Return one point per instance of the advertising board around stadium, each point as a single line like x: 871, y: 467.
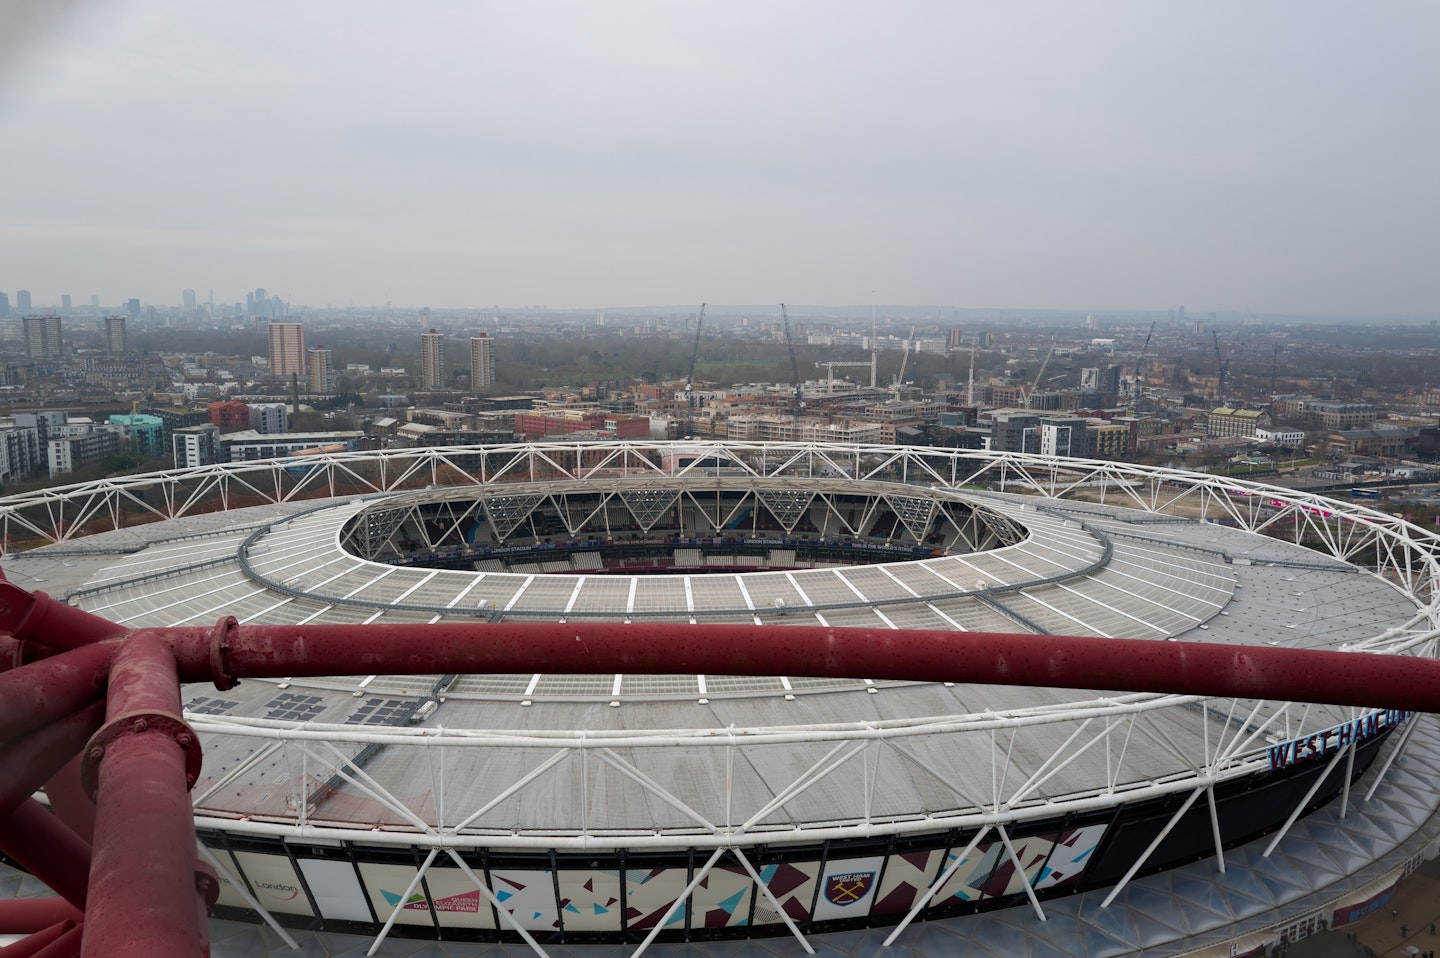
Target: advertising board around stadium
x: 357, y: 887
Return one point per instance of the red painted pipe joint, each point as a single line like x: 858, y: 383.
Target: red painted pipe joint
x: 140, y: 722
x: 219, y: 647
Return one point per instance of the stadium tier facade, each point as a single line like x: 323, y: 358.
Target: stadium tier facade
x: 555, y: 810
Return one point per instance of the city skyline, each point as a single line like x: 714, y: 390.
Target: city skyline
x: 232, y: 310
x: 1038, y: 157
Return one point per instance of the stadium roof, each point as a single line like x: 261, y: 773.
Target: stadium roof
x: 554, y: 761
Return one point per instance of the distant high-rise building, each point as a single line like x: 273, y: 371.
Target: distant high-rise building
x: 4, y: 305
x: 432, y: 360
x: 43, y: 337
x: 482, y: 362
x: 65, y: 305
x: 189, y: 297
x: 1100, y: 380
x: 115, y: 335
x: 287, y: 349
x: 322, y: 373
x: 22, y: 300
x: 132, y: 309
x: 258, y: 304
x: 94, y: 302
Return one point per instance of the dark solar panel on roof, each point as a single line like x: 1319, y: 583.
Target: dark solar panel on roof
x: 202, y: 705
x: 381, y: 712
x: 290, y: 707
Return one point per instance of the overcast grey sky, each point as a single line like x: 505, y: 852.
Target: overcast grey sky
x: 1270, y: 157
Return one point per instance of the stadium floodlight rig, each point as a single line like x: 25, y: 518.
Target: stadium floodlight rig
x: 91, y: 710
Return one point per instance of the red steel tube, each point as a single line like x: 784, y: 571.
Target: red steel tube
x: 25, y: 916
x: 15, y: 653
x: 70, y: 802
x: 144, y: 825
x: 40, y: 942
x: 42, y: 845
x: 37, y: 616
x: 1083, y: 662
x: 1078, y: 662
x: 41, y: 692
x: 10, y: 652
x: 26, y: 763
x: 66, y: 946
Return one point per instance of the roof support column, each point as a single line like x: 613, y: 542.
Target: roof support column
x: 939, y: 883
x: 1215, y: 829
x: 1150, y: 849
x: 1309, y: 794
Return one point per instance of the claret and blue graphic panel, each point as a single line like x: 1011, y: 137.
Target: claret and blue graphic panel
x: 793, y: 885
x: 907, y: 875
x: 970, y: 878
x: 1071, y: 851
x: 529, y: 896
x: 722, y: 899
x: 590, y: 900
x: 649, y: 893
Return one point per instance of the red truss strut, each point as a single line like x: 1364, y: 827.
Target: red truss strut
x: 144, y: 895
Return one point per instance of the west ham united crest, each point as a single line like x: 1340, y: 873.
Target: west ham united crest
x: 848, y: 888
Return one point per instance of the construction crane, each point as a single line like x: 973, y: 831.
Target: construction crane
x: 874, y: 343
x: 1274, y: 369
x: 1043, y: 363
x: 690, y: 378
x: 970, y: 388
x: 904, y: 362
x: 831, y: 365
x: 1140, y: 364
x: 1223, y: 367
x: 797, y: 400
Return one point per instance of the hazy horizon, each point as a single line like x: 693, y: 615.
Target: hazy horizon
x: 1109, y: 157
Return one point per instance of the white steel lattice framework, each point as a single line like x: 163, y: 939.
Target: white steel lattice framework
x: 984, y: 773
